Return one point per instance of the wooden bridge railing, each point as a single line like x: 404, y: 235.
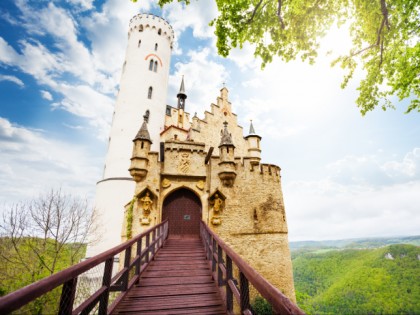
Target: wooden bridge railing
x: 146, y: 245
x: 223, y: 259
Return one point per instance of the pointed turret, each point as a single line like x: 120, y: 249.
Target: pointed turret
x: 141, y: 148
x: 227, y: 163
x: 143, y: 133
x: 251, y: 129
x: 253, y: 141
x: 181, y: 95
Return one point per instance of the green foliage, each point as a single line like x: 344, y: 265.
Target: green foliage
x: 261, y: 306
x: 384, y: 37
x: 359, y: 281
x: 129, y: 229
x: 39, y: 238
x: 14, y: 276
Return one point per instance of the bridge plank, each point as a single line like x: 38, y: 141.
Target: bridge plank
x: 178, y: 281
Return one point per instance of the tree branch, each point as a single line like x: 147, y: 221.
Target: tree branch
x: 384, y: 11
x: 254, y: 12
x: 279, y: 4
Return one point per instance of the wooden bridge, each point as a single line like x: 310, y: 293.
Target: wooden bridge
x: 160, y: 275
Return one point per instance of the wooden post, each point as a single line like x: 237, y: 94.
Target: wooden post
x: 106, y: 281
x: 67, y: 296
x: 229, y: 276
x: 220, y: 281
x: 244, y: 287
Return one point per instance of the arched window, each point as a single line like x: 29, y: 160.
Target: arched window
x: 149, y: 94
x: 141, y: 28
x: 139, y: 43
x: 151, y: 65
x: 155, y: 69
x: 156, y: 46
x: 159, y: 31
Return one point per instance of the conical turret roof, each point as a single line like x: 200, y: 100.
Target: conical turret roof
x: 143, y: 133
x: 251, y: 129
x: 182, y: 89
x: 252, y: 132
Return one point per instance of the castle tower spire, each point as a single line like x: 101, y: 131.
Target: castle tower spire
x: 253, y: 140
x: 227, y: 173
x: 181, y: 95
x: 141, y: 148
x: 251, y: 129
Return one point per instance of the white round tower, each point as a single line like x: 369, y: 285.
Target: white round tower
x: 143, y: 86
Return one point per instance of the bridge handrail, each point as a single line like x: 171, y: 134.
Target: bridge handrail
x: 68, y: 277
x: 215, y: 247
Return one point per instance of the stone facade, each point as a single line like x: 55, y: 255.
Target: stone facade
x: 241, y: 199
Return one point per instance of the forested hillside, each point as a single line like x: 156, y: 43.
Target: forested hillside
x: 32, y: 259
x: 384, y: 280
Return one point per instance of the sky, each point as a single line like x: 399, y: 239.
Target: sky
x: 344, y: 175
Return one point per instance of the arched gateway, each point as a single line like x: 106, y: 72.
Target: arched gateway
x: 183, y: 209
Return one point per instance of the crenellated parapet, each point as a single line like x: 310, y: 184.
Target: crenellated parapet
x: 143, y: 22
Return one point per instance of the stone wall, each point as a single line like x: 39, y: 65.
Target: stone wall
x: 247, y: 212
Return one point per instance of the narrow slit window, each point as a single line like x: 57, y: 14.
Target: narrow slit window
x: 151, y: 65
x: 155, y: 69
x: 139, y: 43
x: 156, y: 47
x: 149, y: 94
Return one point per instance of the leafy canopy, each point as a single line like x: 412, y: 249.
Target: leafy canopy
x: 385, y: 39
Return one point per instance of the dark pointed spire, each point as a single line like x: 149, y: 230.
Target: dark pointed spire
x: 181, y: 95
x: 251, y: 129
x: 226, y: 136
x: 143, y: 133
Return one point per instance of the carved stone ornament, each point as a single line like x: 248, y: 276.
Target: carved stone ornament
x: 166, y: 183
x: 216, y: 220
x: 145, y: 221
x: 147, y: 206
x: 184, y: 163
x: 200, y: 184
x: 217, y: 202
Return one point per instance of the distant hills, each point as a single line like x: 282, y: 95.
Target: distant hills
x: 373, y: 242
x: 358, y: 276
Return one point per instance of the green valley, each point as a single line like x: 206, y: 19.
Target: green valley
x: 361, y: 280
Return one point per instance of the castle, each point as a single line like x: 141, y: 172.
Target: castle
x: 187, y: 169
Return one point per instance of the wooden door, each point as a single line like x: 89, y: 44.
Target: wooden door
x: 183, y: 209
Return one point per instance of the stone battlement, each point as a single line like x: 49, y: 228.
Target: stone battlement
x: 141, y: 22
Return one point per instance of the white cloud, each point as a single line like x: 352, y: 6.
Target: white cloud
x: 357, y: 198
x: 196, y: 16
x: 199, y: 70
x: 328, y: 210
x: 11, y: 78
x: 46, y: 95
x: 82, y: 4
x: 32, y: 163
x: 369, y: 170
x: 7, y: 53
x: 409, y: 168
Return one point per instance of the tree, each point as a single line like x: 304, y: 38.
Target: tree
x: 41, y: 237
x: 385, y: 37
